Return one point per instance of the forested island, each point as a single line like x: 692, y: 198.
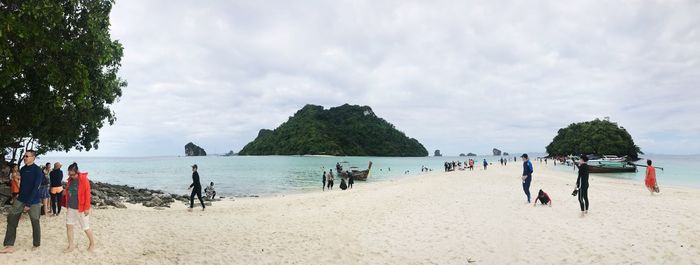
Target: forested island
x: 600, y: 137
x: 347, y: 130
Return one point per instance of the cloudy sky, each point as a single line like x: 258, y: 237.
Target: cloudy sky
x: 459, y: 76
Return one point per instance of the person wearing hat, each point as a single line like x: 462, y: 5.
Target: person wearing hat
x: 196, y: 188
x: 527, y: 176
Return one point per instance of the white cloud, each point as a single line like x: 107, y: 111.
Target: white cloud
x: 459, y: 76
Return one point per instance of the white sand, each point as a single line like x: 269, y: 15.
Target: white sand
x: 437, y: 218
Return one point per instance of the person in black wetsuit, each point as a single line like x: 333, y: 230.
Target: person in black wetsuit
x: 582, y: 185
x: 351, y: 179
x: 196, y: 188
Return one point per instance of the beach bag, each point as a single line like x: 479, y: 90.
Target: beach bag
x: 575, y: 193
x: 656, y: 188
x: 343, y: 186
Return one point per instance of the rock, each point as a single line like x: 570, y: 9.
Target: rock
x: 471, y: 154
x: 194, y: 150
x: 114, y: 201
x: 156, y: 201
x: 506, y: 154
x: 462, y: 154
x: 496, y: 152
x: 437, y: 153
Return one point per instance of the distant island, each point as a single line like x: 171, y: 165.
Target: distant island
x: 194, y: 150
x: 347, y: 130
x: 496, y: 152
x: 437, y: 153
x: 599, y: 137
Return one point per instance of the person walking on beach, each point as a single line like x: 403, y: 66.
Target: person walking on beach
x: 582, y: 185
x: 28, y: 200
x: 486, y: 164
x: 14, y: 183
x: 77, y: 202
x: 44, y: 189
x: 471, y: 164
x: 650, y: 179
x: 527, y: 176
x: 56, y: 190
x: 330, y: 179
x: 324, y: 180
x: 196, y: 189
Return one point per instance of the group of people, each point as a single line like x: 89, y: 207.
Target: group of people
x: 582, y: 182
x: 328, y: 180
x: 32, y: 187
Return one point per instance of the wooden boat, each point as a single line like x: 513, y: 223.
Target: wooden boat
x: 606, y: 166
x: 358, y: 174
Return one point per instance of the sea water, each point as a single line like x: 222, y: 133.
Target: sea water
x: 271, y: 175
x: 678, y: 170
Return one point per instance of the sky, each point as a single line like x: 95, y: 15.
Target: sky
x: 459, y: 76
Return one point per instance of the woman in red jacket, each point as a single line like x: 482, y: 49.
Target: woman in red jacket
x: 77, y: 199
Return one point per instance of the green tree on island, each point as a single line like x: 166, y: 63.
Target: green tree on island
x: 599, y: 137
x: 58, y: 74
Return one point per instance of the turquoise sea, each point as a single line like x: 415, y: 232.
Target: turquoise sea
x: 678, y: 170
x: 270, y: 175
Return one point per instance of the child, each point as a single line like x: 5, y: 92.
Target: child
x: 543, y: 198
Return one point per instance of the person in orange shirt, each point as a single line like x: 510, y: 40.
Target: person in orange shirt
x: 14, y: 183
x: 650, y: 180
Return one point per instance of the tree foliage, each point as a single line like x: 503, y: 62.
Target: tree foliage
x: 345, y: 130
x: 599, y: 137
x: 58, y: 73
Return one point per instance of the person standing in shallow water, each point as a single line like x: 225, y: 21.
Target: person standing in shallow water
x: 351, y: 179
x: 650, y: 179
x: 527, y: 176
x: 324, y: 180
x: 582, y: 185
x: 196, y: 187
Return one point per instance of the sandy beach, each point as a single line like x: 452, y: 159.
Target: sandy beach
x: 462, y: 217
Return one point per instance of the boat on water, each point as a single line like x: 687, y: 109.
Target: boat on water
x: 356, y: 173
x: 611, y: 164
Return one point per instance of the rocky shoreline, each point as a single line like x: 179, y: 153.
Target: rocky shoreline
x: 105, y: 195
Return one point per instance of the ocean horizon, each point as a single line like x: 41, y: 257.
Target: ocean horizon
x: 243, y: 176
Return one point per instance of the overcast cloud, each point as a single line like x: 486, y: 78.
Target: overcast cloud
x: 459, y: 76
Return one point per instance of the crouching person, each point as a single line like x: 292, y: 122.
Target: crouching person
x: 77, y: 199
